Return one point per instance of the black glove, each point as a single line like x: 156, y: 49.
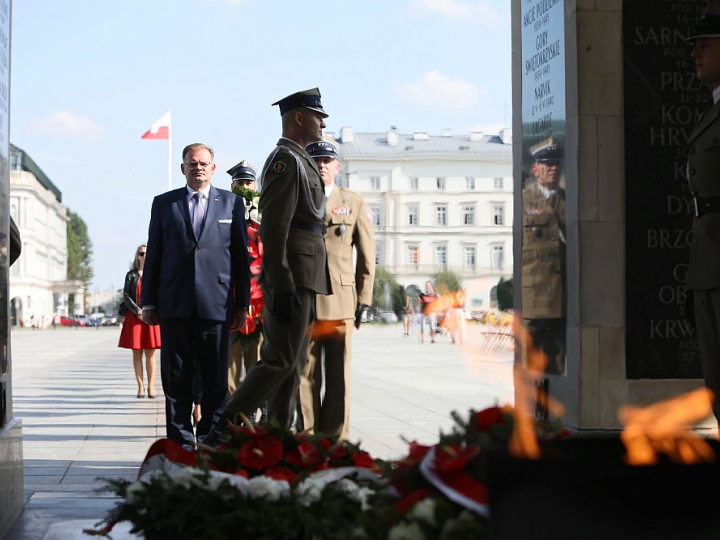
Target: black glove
x: 359, y: 310
x: 283, y: 305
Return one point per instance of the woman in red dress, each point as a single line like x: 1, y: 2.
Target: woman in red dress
x: 135, y: 334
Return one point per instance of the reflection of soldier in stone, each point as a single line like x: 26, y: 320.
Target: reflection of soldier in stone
x: 543, y: 255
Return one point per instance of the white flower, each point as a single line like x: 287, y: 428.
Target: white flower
x: 188, y: 476
x: 253, y: 214
x: 238, y: 482
x: 256, y: 201
x: 264, y: 487
x: 406, y: 531
x: 310, y: 490
x: 133, y: 490
x: 357, y: 493
x: 424, y: 511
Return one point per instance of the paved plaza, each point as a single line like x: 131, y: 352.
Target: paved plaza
x: 75, y: 393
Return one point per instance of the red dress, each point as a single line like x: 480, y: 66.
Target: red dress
x: 136, y: 334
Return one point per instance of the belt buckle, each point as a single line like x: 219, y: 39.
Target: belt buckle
x: 695, y: 204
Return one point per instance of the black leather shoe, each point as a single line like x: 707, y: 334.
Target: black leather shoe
x: 219, y: 423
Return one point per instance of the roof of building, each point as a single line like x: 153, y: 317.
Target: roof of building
x: 21, y: 160
x: 416, y: 145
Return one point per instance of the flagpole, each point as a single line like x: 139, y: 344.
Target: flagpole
x: 170, y: 149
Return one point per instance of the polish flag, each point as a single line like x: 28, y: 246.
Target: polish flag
x: 160, y: 129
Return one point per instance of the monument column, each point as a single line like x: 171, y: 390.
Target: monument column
x: 11, y: 465
x: 629, y: 100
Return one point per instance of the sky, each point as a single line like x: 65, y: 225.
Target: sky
x: 89, y: 77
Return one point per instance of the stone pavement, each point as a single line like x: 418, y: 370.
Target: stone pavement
x: 75, y: 392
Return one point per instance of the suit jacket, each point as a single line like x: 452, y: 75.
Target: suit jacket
x: 293, y: 257
x: 543, y: 255
x: 351, y: 284
x: 183, y: 273
x: 704, y: 175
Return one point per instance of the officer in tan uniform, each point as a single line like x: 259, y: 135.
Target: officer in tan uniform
x: 349, y: 227
x: 704, y: 180
x: 543, y: 256
x: 294, y: 267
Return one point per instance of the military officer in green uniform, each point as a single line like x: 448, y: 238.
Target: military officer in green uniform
x: 704, y: 180
x: 350, y: 231
x: 294, y: 267
x: 543, y: 256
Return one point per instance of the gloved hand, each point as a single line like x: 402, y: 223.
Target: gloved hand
x: 359, y: 310
x: 283, y: 305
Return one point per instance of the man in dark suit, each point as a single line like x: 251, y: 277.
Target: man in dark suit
x: 294, y: 267
x: 197, y: 256
x: 704, y: 179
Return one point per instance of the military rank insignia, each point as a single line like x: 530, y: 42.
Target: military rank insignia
x: 279, y: 166
x: 342, y: 211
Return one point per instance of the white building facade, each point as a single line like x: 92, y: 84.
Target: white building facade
x: 437, y: 203
x: 39, y: 287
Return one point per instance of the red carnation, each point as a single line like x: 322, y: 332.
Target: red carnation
x: 305, y: 455
x: 412, y: 498
x: 281, y: 473
x: 451, y: 458
x: 415, y: 456
x: 260, y: 453
x: 363, y: 459
x: 489, y: 417
x: 338, y: 452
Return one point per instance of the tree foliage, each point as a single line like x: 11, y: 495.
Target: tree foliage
x: 79, y: 246
x: 446, y: 281
x: 505, y: 296
x: 394, y: 299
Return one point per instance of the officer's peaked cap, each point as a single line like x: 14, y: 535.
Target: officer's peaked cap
x: 547, y: 150
x: 325, y: 148
x: 310, y: 99
x: 709, y: 23
x: 242, y: 171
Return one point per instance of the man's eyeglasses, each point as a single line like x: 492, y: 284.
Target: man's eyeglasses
x: 198, y: 164
x: 141, y: 253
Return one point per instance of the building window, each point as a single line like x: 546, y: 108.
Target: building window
x: 470, y: 258
x: 469, y: 183
x: 468, y: 214
x: 378, y: 255
x: 441, y: 183
x: 413, y: 255
x: 499, y: 183
x: 414, y: 184
x: 441, y: 255
x: 441, y: 216
x: 16, y: 161
x: 375, y: 183
x: 375, y: 213
x: 342, y: 181
x: 498, y: 257
x: 412, y: 215
x: 498, y: 214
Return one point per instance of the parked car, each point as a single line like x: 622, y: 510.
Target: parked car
x: 110, y: 320
x: 96, y: 319
x: 79, y: 320
x: 66, y: 321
